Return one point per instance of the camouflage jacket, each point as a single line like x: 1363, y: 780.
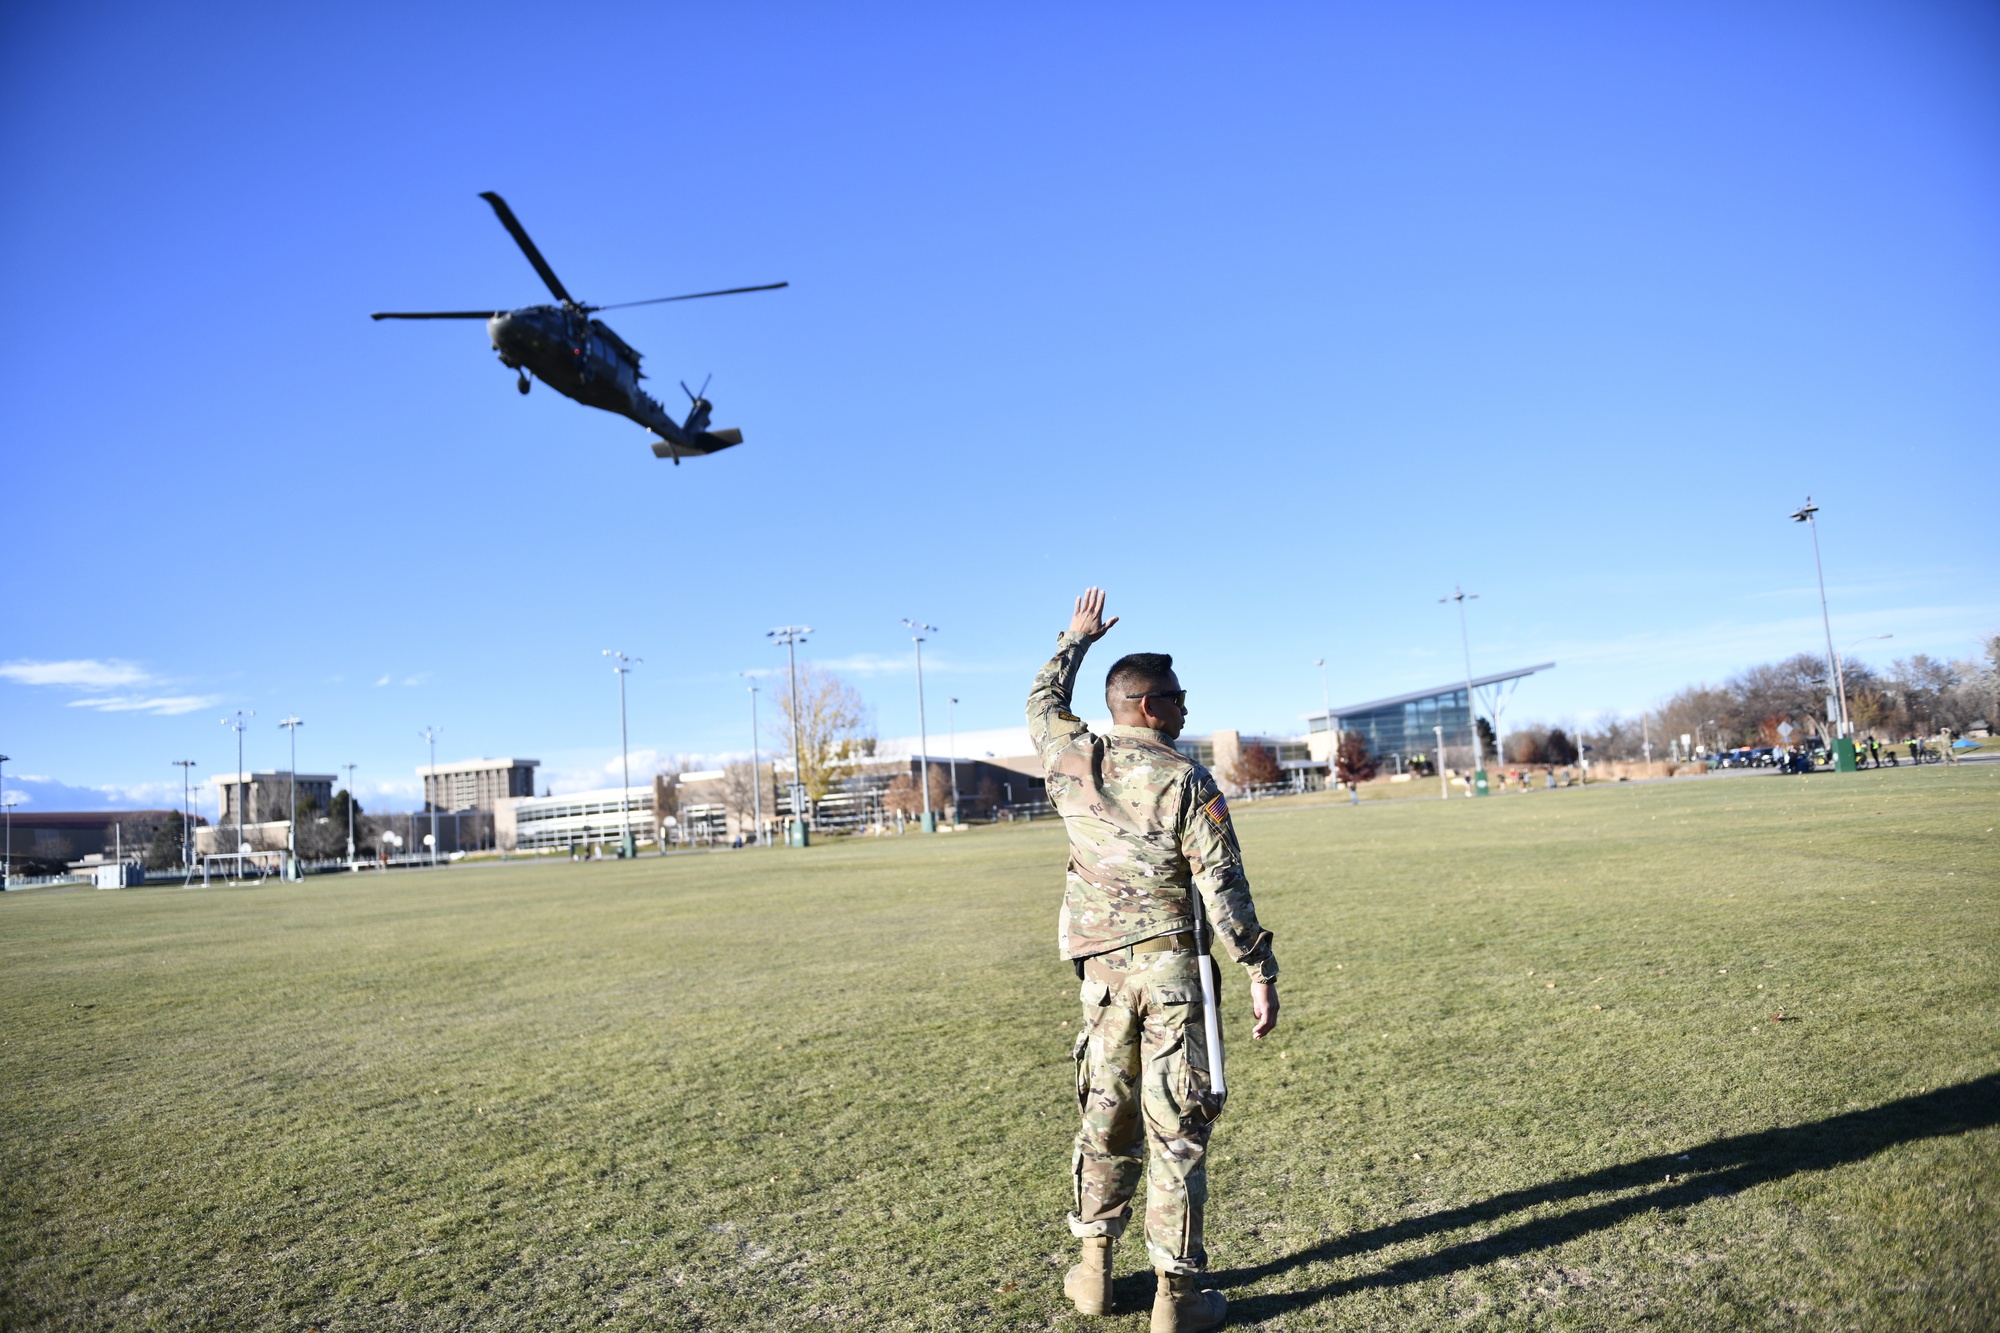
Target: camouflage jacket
x: 1146, y: 823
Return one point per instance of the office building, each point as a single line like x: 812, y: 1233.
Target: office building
x: 477, y: 784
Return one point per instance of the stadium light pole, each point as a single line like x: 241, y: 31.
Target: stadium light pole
x: 1444, y: 787
x: 791, y: 636
x: 350, y: 812
x: 951, y: 722
x: 431, y: 786
x: 623, y: 666
x: 187, y: 818
x: 239, y: 720
x: 6, y: 861
x: 1332, y: 731
x: 1804, y: 514
x: 756, y: 778
x: 917, y: 633
x: 1461, y: 596
x: 292, y: 725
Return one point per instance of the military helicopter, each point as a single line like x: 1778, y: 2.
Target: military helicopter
x: 581, y: 358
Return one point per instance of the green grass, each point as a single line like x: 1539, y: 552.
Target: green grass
x: 1527, y: 1077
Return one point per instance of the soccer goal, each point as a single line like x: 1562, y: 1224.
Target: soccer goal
x: 245, y: 865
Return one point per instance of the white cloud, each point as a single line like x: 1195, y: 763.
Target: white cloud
x: 79, y: 673
x: 162, y: 705
x: 383, y: 681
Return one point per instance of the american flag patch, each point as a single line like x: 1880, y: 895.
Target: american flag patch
x: 1217, y: 809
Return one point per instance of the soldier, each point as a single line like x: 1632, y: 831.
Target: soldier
x: 1147, y: 829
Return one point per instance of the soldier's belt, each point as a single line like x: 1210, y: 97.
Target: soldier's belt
x: 1181, y: 942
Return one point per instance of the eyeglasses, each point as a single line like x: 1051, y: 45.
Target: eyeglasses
x: 1178, y: 696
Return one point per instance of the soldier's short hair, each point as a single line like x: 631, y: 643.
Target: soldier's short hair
x: 1136, y: 673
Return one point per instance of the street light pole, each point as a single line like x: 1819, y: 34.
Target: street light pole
x: 187, y: 819
x: 432, y: 788
x: 951, y: 721
x: 1444, y: 788
x: 623, y: 666
x: 791, y: 636
x: 756, y: 778
x: 350, y: 812
x: 1461, y: 596
x: 292, y: 725
x: 917, y: 632
x: 239, y: 721
x: 1804, y: 514
x: 6, y: 861
x: 1332, y: 728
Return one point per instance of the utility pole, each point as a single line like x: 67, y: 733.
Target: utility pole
x: 292, y: 725
x: 1461, y: 596
x: 923, y: 737
x: 756, y: 778
x: 239, y: 721
x: 791, y: 636
x: 7, y: 861
x: 431, y: 788
x: 1444, y: 787
x: 350, y: 812
x: 623, y: 666
x: 1804, y: 515
x: 187, y: 820
x: 1332, y: 728
x: 951, y: 721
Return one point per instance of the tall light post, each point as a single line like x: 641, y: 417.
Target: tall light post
x: 917, y: 633
x: 1461, y: 596
x: 6, y: 861
x: 1332, y: 729
x: 292, y: 725
x: 951, y: 721
x: 756, y: 778
x: 1444, y: 787
x: 187, y: 818
x: 791, y: 636
x: 623, y: 666
x: 431, y: 788
x: 239, y: 720
x: 350, y: 812
x: 1804, y: 514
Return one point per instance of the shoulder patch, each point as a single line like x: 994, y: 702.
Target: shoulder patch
x: 1069, y: 717
x: 1217, y: 809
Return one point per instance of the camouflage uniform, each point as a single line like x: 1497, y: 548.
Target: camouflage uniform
x: 1146, y: 825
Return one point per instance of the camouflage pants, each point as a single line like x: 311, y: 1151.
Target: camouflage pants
x: 1141, y: 1085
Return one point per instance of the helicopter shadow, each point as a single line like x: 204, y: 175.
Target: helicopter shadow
x: 1716, y: 1169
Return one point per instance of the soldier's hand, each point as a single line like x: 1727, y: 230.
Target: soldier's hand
x: 1088, y: 619
x: 1264, y: 1007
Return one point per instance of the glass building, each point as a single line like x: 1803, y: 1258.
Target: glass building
x: 1399, y: 728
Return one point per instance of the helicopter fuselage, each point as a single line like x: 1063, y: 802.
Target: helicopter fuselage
x: 579, y: 357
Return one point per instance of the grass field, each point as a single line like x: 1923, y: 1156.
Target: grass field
x: 1527, y: 1077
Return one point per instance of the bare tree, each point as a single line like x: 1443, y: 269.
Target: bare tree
x: 747, y: 791
x: 834, y: 726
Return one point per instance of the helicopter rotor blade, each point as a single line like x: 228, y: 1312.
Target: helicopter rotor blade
x: 691, y: 296
x: 434, y: 314
x: 520, y: 235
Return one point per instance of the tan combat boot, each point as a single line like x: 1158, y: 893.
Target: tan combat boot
x: 1181, y: 1306
x: 1089, y: 1283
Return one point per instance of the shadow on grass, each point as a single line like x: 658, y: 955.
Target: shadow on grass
x: 1668, y: 1180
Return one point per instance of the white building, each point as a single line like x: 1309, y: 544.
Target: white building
x: 580, y: 818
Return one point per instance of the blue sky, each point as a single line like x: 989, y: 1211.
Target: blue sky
x: 1277, y: 321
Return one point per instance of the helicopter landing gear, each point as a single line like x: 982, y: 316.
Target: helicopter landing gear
x: 523, y: 383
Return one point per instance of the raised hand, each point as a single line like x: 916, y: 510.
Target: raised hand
x: 1088, y: 618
